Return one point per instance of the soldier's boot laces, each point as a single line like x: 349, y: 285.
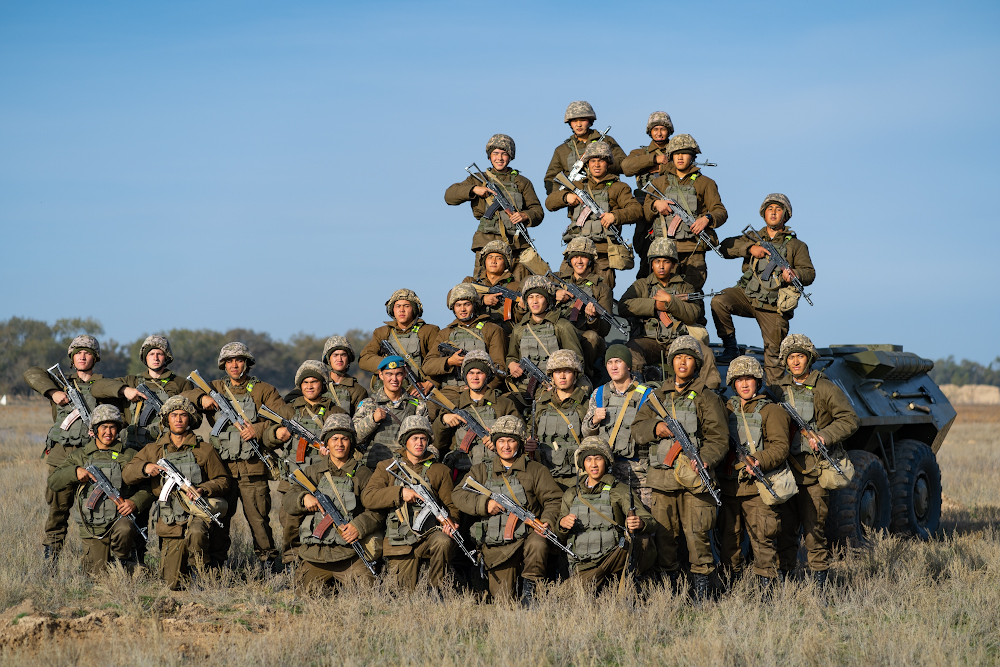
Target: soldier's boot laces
x: 700, y: 584
x: 528, y: 594
x: 730, y: 349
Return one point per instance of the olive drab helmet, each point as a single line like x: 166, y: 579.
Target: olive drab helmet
x: 334, y: 343
x: 580, y: 246
x: 84, y: 342
x: 499, y: 247
x: 178, y: 402
x: 659, y: 118
x: 594, y: 445
x: 501, y: 141
x: 405, y: 295
x: 156, y: 342
x: 563, y: 360
x: 683, y: 142
x: 414, y: 424
x: 662, y: 247
x: 686, y: 345
x: 579, y: 109
x: 744, y: 366
x: 463, y: 292
x: 235, y: 350
x: 339, y: 423
x: 540, y: 285
x: 311, y: 368
x: 477, y: 359
x: 106, y: 413
x: 781, y: 200
x: 598, y: 149
x: 510, y: 426
x: 797, y: 343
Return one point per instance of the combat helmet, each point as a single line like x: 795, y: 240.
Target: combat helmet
x: 179, y: 402
x: 334, y: 343
x: 662, y: 247
x: 561, y: 360
x: 501, y: 141
x: 659, y: 118
x: 106, y: 413
x: 579, y: 109
x: 797, y: 343
x: 156, y: 342
x: 580, y: 246
x: 510, y: 426
x: 779, y: 199
x: 687, y: 345
x: 594, y: 445
x: 598, y: 149
x: 540, y: 285
x: 477, y: 359
x: 405, y: 295
x: 414, y: 424
x: 499, y: 247
x: 339, y: 423
x: 235, y: 350
x: 743, y: 366
x: 85, y: 342
x: 311, y: 368
x: 683, y: 142
x: 463, y: 292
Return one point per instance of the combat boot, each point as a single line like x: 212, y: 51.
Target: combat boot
x: 820, y: 578
x: 528, y: 594
x: 730, y: 349
x: 701, y: 585
x: 765, y: 584
x: 783, y: 576
x: 50, y: 555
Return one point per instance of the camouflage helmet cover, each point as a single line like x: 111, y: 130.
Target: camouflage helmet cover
x: 659, y: 118
x: 594, y: 445
x: 106, y: 413
x: 579, y: 109
x: 339, y: 423
x: 477, y: 359
x: 598, y: 149
x: 780, y: 199
x: 501, y: 141
x: 405, y: 295
x: 683, y: 142
x: 463, y: 292
x: 563, y: 360
x: 84, y: 342
x: 499, y: 247
x: 540, y: 285
x: 662, y: 247
x: 580, y: 246
x: 311, y: 368
x: 175, y: 403
x: 510, y: 426
x: 744, y: 366
x: 235, y: 350
x: 797, y: 343
x: 156, y: 342
x: 334, y: 343
x: 687, y: 345
x: 414, y: 424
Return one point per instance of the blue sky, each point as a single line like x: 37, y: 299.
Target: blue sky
x: 282, y: 166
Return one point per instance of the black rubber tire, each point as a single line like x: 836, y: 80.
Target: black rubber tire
x: 866, y: 501
x: 916, y: 490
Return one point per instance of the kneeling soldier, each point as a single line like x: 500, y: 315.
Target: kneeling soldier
x: 329, y: 557
x: 184, y: 531
x: 104, y: 524
x: 557, y: 417
x: 509, y: 547
x: 596, y: 513
x: 404, y: 547
x: 762, y: 427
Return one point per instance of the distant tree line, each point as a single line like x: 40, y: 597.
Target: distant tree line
x: 25, y: 343
x: 948, y: 371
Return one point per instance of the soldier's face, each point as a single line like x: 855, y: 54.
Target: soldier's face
x: 392, y: 378
x: 402, y: 311
x: 506, y: 448
x: 617, y: 369
x: 564, y: 379
x: 499, y: 159
x: 311, y: 388
x: 476, y: 379
x: 598, y: 166
x: 682, y: 160
x: 339, y: 361
x: 798, y: 364
x: 178, y: 421
x: 83, y: 360
x: 662, y: 267
x: 537, y: 303
x: 495, y: 263
x: 464, y: 310
x: 416, y: 444
x: 107, y: 432
x: 580, y: 264
x: 339, y: 446
x: 774, y: 215
x: 659, y: 134
x: 155, y: 359
x: 580, y: 126
x: 235, y: 368
x: 745, y: 386
x: 595, y: 466
x: 684, y: 367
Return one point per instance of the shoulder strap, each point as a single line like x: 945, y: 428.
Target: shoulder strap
x: 566, y: 419
x: 594, y: 509
x: 408, y: 357
x: 599, y: 397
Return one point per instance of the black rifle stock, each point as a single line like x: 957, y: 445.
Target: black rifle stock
x: 106, y: 488
x: 150, y: 405
x: 583, y: 298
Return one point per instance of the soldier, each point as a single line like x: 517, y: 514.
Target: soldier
x: 68, y: 431
x: 408, y: 334
x: 822, y: 404
x: 771, y: 302
x: 608, y: 192
x: 404, y: 547
x: 681, y: 504
x: 762, y: 427
x: 645, y: 164
x: 495, y: 261
x: 542, y: 331
x: 471, y: 330
x: 530, y: 485
x: 377, y: 421
x: 581, y: 256
x: 683, y: 182
x: 103, y: 531
x: 463, y: 448
x: 341, y: 386
x: 250, y: 474
x: 329, y: 558
x: 311, y: 408
x: 610, y: 412
x: 579, y: 116
x: 661, y: 316
x: 184, y: 531
x: 595, y: 514
x: 557, y: 416
x: 516, y: 188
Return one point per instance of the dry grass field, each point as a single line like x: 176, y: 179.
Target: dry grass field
x: 899, y: 602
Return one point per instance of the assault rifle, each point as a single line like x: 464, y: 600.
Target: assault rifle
x: 775, y: 261
x: 682, y: 216
x: 591, y: 206
x: 681, y: 438
x: 475, y: 429
x: 534, y: 374
x: 106, y: 488
x: 411, y: 377
x: 582, y: 298
x: 150, y: 405
x: 80, y: 410
x: 517, y: 513
x: 744, y: 454
x: 509, y: 295
x: 331, y: 516
x: 696, y: 296
x: 297, y: 430
x: 576, y: 171
x: 447, y: 349
x: 231, y: 415
x: 175, y: 481
x: 810, y: 433
x: 500, y: 201
x: 430, y: 506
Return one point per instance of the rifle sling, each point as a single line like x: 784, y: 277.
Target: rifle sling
x: 407, y: 357
x: 540, y: 343
x: 508, y: 532
x: 618, y: 422
x: 571, y: 430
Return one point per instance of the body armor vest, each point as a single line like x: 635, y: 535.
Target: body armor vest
x: 456, y: 459
x: 754, y: 422
x: 77, y: 433
x: 174, y: 510
x: 402, y: 534
x: 623, y: 445
x: 314, y: 424
x: 653, y: 327
x: 105, y: 512
x: 332, y: 537
x: 383, y: 443
x: 229, y: 444
x: 800, y: 396
x: 592, y: 227
x: 593, y: 537
x: 410, y: 342
x: 765, y: 291
x: 530, y: 347
x: 136, y: 436
x: 489, y: 530
x: 514, y: 196
x: 340, y: 396
x: 687, y: 415
x: 683, y: 193
x: 467, y: 338
x: 557, y: 445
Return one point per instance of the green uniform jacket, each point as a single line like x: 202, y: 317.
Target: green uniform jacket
x: 797, y: 254
x: 436, y: 366
x: 357, y: 393
x: 365, y: 521
x: 643, y: 160
x: 111, y: 388
x: 601, y: 292
x: 774, y: 432
x: 558, y: 161
x: 713, y: 429
x: 323, y: 408
x: 565, y: 334
x: 459, y: 193
x: 709, y: 201
x: 371, y: 354
x: 623, y: 205
x: 638, y: 302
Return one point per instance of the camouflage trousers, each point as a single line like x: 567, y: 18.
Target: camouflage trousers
x: 633, y: 472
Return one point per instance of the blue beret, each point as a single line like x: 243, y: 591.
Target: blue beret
x: 392, y: 361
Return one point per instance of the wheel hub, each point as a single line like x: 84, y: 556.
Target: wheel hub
x: 921, y: 498
x: 868, y: 509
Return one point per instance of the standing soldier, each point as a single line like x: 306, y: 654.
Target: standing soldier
x: 579, y: 116
x: 824, y: 406
x: 609, y: 193
x: 104, y: 529
x: 581, y: 256
x: 542, y: 331
x: 250, y: 474
x: 184, y: 531
x: 771, y: 302
x: 557, y: 417
x: 329, y: 557
x: 408, y: 334
x: 495, y: 263
x: 68, y: 431
x: 645, y: 164
x: 341, y: 386
x: 404, y: 547
x: 522, y: 553
x: 683, y: 182
x: 762, y: 427
x: 494, y: 223
x: 661, y: 316
x: 681, y: 503
x: 377, y: 421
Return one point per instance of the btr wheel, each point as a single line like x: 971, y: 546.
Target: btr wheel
x: 916, y: 490
x: 865, y: 503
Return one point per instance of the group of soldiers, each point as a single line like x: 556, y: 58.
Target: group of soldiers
x: 515, y: 437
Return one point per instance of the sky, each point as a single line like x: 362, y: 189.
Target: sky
x: 282, y: 166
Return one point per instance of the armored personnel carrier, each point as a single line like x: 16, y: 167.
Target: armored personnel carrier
x: 904, y: 420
